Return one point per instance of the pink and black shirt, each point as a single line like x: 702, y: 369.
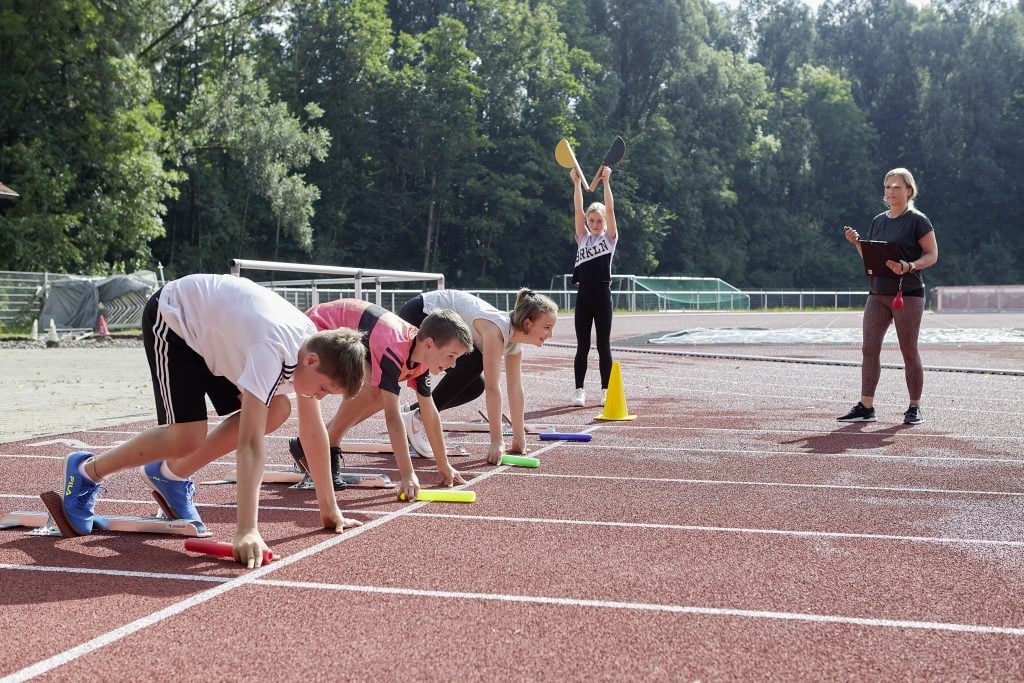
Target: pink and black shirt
x: 388, y: 339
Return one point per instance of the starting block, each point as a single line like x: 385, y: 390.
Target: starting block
x: 385, y: 447
x: 301, y: 480
x: 54, y: 523
x: 484, y: 426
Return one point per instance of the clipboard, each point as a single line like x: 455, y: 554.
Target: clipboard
x: 876, y: 253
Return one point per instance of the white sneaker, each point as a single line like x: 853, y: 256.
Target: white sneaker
x: 579, y: 398
x: 417, y: 434
x: 604, y: 396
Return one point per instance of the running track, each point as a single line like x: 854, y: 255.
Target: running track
x: 734, y: 531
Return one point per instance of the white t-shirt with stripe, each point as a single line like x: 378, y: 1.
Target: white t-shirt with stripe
x: 245, y: 332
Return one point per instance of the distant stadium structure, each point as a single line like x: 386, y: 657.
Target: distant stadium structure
x: 979, y: 299
x: 668, y: 293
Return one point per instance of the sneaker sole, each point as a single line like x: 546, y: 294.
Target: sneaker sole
x: 857, y: 419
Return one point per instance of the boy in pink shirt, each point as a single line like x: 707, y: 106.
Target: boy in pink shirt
x: 396, y: 352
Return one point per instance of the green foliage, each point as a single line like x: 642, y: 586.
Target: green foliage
x: 80, y: 138
x: 418, y: 134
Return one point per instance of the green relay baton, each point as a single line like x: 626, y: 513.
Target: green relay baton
x: 520, y: 461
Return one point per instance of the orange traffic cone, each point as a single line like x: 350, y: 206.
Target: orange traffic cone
x: 615, y: 402
x: 102, y: 328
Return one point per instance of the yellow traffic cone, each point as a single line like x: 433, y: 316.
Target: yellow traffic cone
x: 615, y: 401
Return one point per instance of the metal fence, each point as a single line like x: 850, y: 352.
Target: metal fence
x: 22, y: 296
x: 979, y: 299
x: 23, y: 299
x: 303, y: 296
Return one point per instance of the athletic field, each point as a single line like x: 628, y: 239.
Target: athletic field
x: 733, y: 531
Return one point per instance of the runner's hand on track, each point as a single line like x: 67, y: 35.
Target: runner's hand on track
x: 449, y: 475
x: 494, y: 452
x: 518, y: 447
x: 337, y: 521
x: 409, y: 486
x: 249, y: 547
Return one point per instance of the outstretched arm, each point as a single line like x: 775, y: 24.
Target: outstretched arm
x: 248, y: 544
x: 516, y: 402
x: 432, y: 425
x: 577, y: 198
x: 609, y: 204
x: 313, y: 435
x: 410, y: 484
x: 492, y: 347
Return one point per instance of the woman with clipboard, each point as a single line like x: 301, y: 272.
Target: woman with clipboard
x: 897, y: 291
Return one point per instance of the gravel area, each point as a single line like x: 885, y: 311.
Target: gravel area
x: 90, y: 382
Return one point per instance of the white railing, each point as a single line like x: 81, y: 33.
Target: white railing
x: 354, y: 276
x: 303, y: 297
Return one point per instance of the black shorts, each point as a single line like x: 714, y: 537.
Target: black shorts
x: 181, y: 379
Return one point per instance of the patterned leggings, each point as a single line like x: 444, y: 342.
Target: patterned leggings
x: 878, y: 314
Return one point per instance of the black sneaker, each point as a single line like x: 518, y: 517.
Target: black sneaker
x: 337, y: 462
x: 913, y: 415
x: 295, y: 448
x: 858, y: 414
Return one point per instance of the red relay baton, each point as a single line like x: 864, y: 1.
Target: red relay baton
x: 219, y: 548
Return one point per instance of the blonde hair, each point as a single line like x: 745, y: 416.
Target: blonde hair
x: 597, y: 207
x: 530, y: 305
x: 908, y: 178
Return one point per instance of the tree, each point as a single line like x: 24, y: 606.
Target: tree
x: 80, y: 137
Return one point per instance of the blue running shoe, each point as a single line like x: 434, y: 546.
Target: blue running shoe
x: 176, y: 494
x: 79, y: 494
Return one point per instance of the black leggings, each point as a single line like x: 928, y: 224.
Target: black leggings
x: 593, y: 307
x: 462, y: 383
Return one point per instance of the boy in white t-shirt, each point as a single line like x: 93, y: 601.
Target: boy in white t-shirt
x: 245, y: 348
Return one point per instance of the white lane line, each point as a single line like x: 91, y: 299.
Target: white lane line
x: 126, y: 630
x: 736, y: 530
x: 654, y: 607
x: 775, y: 484
x: 174, y: 609
x: 796, y: 533
x: 841, y: 430
x: 627, y: 478
x: 114, y: 572
x: 713, y: 451
x: 810, y: 454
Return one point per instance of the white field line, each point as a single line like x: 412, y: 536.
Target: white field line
x: 174, y: 609
x: 871, y: 622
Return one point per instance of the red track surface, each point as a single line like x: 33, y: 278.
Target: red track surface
x: 734, y: 531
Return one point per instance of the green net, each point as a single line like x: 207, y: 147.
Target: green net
x: 679, y: 293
